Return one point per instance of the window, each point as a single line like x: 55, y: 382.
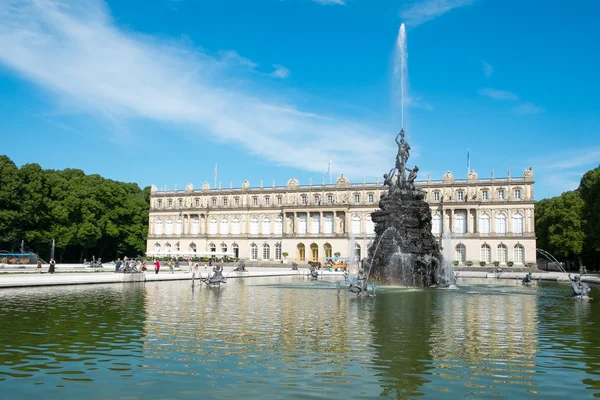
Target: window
x: 235, y: 226
x: 266, y: 226
x: 278, y: 226
x: 329, y: 199
x: 195, y: 226
x: 193, y: 247
x: 436, y: 224
x: 370, y: 197
x: 500, y: 224
x: 304, y: 199
x: 302, y: 225
x: 328, y: 224
x: 254, y: 226
x: 254, y: 251
x: 279, y: 200
x: 197, y: 203
x: 436, y: 196
x: 484, y: 224
x: 328, y: 250
x: 214, y: 201
x: 314, y: 225
x: 484, y: 195
x: 517, y: 194
x: 460, y: 253
x: 179, y: 227
x: 517, y: 224
x: 180, y: 203
x: 278, y: 251
x: 519, y: 255
x: 255, y: 201
x: 236, y: 201
x: 486, y: 253
x: 225, y: 201
x: 357, y: 198
x: 356, y: 252
x: 502, y: 253
x: 317, y: 199
x: 267, y: 201
x: 223, y: 248
x: 266, y: 252
x: 356, y: 225
x: 236, y: 250
x: 170, y: 203
x: 159, y: 227
x: 212, y: 248
x: 224, y: 226
x: 157, y: 248
x: 370, y: 226
x: 168, y: 248
x: 159, y: 205
x: 460, y: 223
x: 501, y: 194
x: 460, y: 195
x: 212, y: 226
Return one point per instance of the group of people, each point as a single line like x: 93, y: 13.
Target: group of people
x: 51, y: 266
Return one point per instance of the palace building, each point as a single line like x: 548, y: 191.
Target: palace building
x: 486, y: 219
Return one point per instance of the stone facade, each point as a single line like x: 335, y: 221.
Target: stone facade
x: 487, y: 219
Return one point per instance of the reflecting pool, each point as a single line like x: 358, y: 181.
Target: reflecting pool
x: 297, y: 338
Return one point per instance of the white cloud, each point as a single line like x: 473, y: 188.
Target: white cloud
x: 498, y: 94
x: 331, y: 2
x: 425, y: 10
x: 488, y: 69
x: 589, y: 157
x: 528, y: 108
x: 74, y: 51
x: 280, y: 71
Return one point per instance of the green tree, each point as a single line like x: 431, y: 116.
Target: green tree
x: 589, y: 190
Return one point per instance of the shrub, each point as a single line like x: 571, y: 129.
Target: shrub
x: 469, y: 263
x: 482, y: 263
x: 285, y: 254
x: 456, y: 263
x: 510, y: 263
x: 496, y: 263
x: 337, y: 254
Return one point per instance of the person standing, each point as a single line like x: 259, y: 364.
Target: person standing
x: 170, y: 264
x: 39, y: 267
x: 52, y: 266
x: 117, y: 265
x: 156, y: 266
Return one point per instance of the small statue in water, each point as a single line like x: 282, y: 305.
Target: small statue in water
x: 294, y: 266
x: 361, y: 284
x: 314, y: 274
x: 216, y: 278
x: 580, y: 288
x: 240, y: 266
x: 528, y: 279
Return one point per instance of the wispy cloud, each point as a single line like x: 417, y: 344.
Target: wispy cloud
x: 280, y: 71
x: 331, y: 2
x: 573, y: 159
x: 488, y: 69
x: 74, y: 51
x: 422, y: 11
x: 528, y: 108
x: 498, y: 94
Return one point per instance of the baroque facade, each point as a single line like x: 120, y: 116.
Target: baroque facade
x: 486, y: 219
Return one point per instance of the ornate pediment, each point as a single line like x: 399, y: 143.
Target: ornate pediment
x: 292, y: 183
x: 342, y: 181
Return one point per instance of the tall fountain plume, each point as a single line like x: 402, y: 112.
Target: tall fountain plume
x: 400, y: 69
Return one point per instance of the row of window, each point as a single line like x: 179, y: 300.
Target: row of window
x: 460, y: 223
x: 485, y: 254
x: 461, y: 194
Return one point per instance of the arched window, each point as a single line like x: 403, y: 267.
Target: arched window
x: 157, y: 248
x: 302, y: 225
x: 519, y: 255
x: 278, y: 227
x: 486, y: 253
x: 179, y: 227
x: 223, y: 248
x: 195, y: 226
x: 314, y: 224
x: 356, y: 251
x: 236, y: 250
x: 461, y: 253
x: 500, y: 224
x: 266, y: 252
x: 254, y: 251
x: 193, y: 247
x: 168, y: 248
x: 177, y: 248
x: 370, y: 226
x: 328, y: 224
x: 159, y: 226
x: 356, y: 225
x: 301, y: 252
x: 212, y: 248
x: 517, y: 224
x: 328, y: 250
x: 436, y: 224
x: 266, y: 226
x: 502, y: 253
x: 212, y: 226
x: 235, y: 226
x: 278, y: 251
x: 224, y: 226
x: 169, y: 230
x: 460, y: 223
x: 254, y: 226
x: 484, y: 224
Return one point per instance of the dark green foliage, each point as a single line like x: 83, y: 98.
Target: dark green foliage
x: 87, y: 215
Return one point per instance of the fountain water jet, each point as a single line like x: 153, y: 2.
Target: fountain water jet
x: 400, y: 68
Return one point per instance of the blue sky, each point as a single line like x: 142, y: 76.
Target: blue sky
x: 160, y: 91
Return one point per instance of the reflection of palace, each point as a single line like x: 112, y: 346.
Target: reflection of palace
x: 488, y: 219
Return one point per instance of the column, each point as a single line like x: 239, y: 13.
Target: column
x: 451, y: 221
x: 509, y: 222
x: 476, y: 222
x: 335, y: 230
x: 321, y: 223
x: 469, y: 221
x: 151, y: 226
x: 493, y: 222
x: 445, y: 217
x: 295, y: 224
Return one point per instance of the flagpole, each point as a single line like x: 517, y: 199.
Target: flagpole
x: 330, y: 174
x: 215, y: 176
x: 468, y: 163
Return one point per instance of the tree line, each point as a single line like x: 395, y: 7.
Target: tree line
x: 86, y: 215
x: 568, y: 226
